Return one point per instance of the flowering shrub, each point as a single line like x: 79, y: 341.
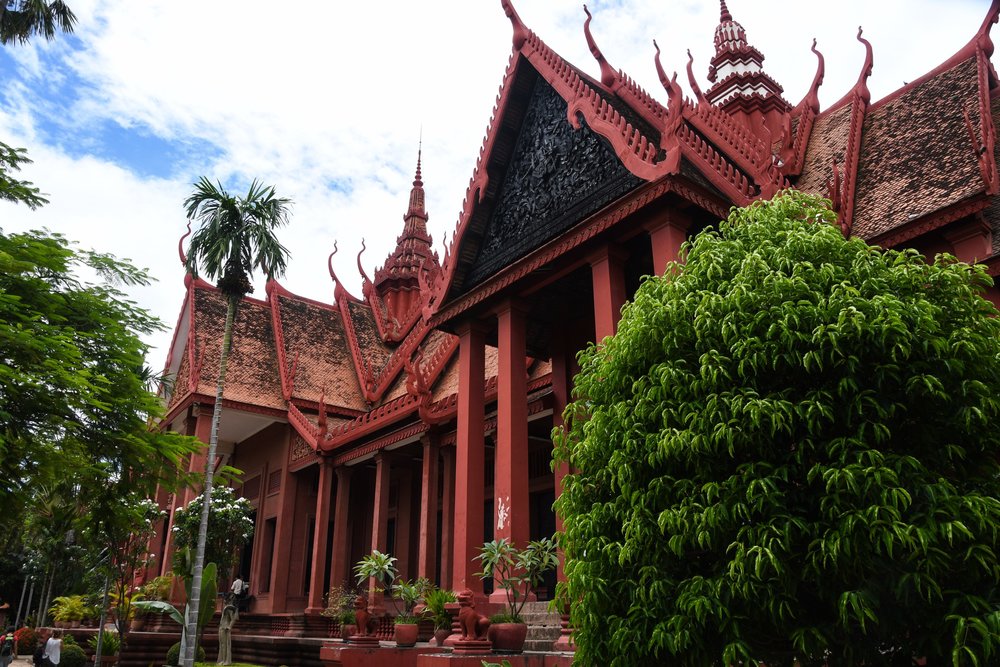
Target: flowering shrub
x: 230, y: 527
x: 26, y: 639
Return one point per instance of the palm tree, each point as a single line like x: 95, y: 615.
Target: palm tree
x: 236, y: 236
x: 20, y: 20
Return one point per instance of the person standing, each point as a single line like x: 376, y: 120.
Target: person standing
x: 53, y: 649
x: 8, y: 647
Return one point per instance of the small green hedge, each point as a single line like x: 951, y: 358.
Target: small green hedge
x: 72, y: 656
x: 174, y: 654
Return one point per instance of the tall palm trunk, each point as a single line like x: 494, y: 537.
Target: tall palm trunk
x: 191, y: 622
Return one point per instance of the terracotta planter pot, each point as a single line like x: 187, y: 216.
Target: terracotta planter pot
x: 406, y: 634
x: 440, y: 634
x: 508, y: 638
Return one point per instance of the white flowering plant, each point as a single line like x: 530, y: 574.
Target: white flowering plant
x: 230, y: 527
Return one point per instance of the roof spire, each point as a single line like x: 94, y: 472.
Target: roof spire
x: 724, y: 14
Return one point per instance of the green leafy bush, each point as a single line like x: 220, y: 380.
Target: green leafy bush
x: 173, y: 654
x: 788, y: 451
x: 72, y: 656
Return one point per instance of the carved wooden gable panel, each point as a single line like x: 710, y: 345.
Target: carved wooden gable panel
x: 556, y: 177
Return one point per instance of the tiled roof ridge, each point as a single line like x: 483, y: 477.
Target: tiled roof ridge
x: 286, y: 373
x: 746, y: 150
x: 842, y: 192
x: 984, y: 145
x: 421, y: 374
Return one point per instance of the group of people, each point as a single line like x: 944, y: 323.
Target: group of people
x: 48, y: 650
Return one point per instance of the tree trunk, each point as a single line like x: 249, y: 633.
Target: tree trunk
x: 194, y: 604
x: 45, y: 600
x: 20, y: 604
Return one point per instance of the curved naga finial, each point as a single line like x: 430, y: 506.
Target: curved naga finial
x: 812, y: 97
x: 520, y: 31
x: 691, y: 80
x: 361, y: 269
x: 329, y: 263
x: 866, y: 70
x: 180, y: 244
x: 670, y: 85
x: 669, y: 141
x: 608, y: 75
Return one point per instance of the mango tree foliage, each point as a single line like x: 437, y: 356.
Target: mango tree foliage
x: 74, y: 399
x: 788, y: 451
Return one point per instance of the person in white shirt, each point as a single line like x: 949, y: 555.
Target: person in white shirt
x: 53, y: 649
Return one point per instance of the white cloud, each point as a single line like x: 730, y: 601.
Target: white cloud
x: 327, y: 100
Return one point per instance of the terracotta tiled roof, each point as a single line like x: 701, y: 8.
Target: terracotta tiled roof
x: 252, y: 372
x: 374, y: 352
x: 916, y: 149
x: 316, y: 334
x: 992, y: 212
x: 828, y: 142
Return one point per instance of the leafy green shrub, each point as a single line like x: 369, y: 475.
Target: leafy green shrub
x: 111, y: 643
x: 174, y: 652
x: 72, y: 656
x: 789, y: 450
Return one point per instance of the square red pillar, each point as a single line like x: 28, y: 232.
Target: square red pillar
x: 340, y: 566
x: 470, y: 458
x: 510, y: 476
x: 666, y: 235
x: 608, y: 275
x: 427, y: 549
x: 320, y: 530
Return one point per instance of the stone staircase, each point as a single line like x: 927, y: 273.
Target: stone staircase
x: 543, y: 626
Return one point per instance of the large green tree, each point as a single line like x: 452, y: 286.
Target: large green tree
x: 789, y: 451
x: 236, y: 236
x: 20, y: 20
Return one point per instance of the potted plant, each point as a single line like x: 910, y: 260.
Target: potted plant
x: 68, y: 610
x: 340, y: 607
x: 407, y: 622
x: 518, y: 572
x: 435, y: 600
x: 111, y: 645
x: 382, y: 568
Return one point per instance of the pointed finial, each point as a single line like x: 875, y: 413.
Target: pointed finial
x: 180, y: 244
x: 724, y: 14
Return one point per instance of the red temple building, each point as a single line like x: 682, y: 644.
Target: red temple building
x: 415, y: 417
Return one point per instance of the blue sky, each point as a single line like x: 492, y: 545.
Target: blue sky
x: 328, y: 101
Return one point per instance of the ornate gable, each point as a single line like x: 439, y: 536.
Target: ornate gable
x: 556, y: 176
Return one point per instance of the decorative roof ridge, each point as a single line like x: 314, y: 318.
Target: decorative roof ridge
x: 195, y: 359
x: 983, y: 144
x: 277, y: 289
x: 698, y: 94
x: 372, y: 420
x: 748, y: 151
x: 364, y: 374
x: 981, y: 44
x: 339, y: 291
x: 716, y: 167
x: 621, y: 84
x: 792, y: 153
x: 422, y: 375
x: 286, y: 372
x: 842, y: 193
x: 860, y: 88
x: 185, y: 311
x: 180, y: 245
x: 397, y: 360
x: 202, y: 284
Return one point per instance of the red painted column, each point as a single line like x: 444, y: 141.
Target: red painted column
x: 283, y: 541
x: 971, y: 242
x: 319, y: 555
x: 404, y: 522
x: 447, y: 515
x: 560, y: 397
x: 469, y: 458
x: 510, y: 481
x: 666, y: 236
x: 380, y: 518
x: 427, y: 554
x: 340, y: 566
x: 608, y: 275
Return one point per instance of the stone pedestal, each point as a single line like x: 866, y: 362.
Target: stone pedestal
x: 472, y: 646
